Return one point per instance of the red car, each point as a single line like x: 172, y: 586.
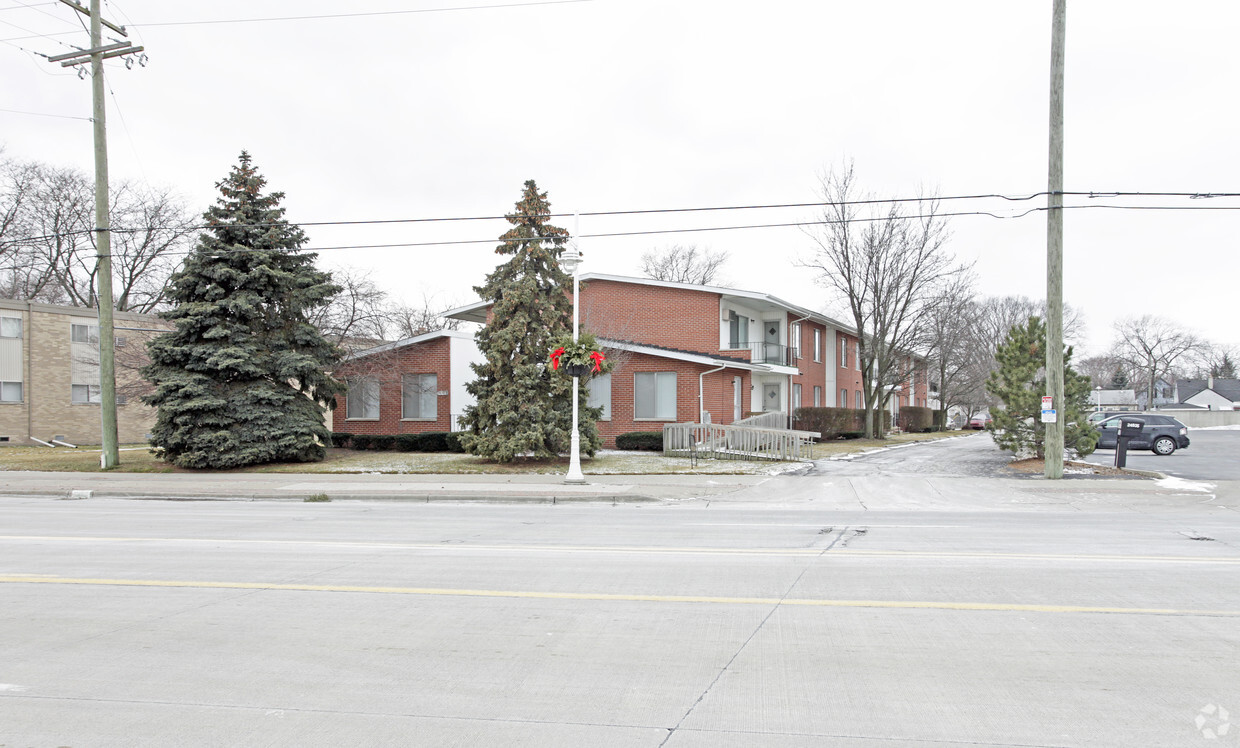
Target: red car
x: 979, y: 422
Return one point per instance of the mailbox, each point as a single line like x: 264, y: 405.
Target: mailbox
x: 1131, y: 427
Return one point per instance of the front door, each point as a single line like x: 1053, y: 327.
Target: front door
x: 738, y: 399
x: 770, y: 397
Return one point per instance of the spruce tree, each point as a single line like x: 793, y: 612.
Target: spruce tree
x: 1020, y: 382
x: 242, y: 379
x: 523, y: 407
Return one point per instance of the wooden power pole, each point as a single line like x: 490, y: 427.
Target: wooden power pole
x: 1054, y: 421
x: 95, y: 55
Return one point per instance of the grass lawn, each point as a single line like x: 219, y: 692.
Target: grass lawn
x: 138, y: 459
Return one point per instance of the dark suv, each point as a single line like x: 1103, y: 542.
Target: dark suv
x: 1162, y: 434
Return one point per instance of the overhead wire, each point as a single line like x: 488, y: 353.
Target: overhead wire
x: 359, y: 14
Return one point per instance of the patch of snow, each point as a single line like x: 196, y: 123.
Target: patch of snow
x: 1181, y: 484
x: 1233, y: 427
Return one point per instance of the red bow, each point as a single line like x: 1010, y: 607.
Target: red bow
x: 597, y: 358
x: 555, y: 358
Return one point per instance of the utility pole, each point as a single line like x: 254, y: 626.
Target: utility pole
x: 1053, y: 465
x: 96, y: 54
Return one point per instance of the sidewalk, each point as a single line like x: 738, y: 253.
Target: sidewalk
x: 299, y: 487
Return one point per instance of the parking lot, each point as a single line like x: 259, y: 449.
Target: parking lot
x: 1211, y: 455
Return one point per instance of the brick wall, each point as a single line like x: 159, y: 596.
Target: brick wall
x: 686, y: 319
x: 847, y: 377
x: 427, y: 357
x: 812, y: 373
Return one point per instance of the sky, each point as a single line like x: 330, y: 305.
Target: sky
x: 624, y: 105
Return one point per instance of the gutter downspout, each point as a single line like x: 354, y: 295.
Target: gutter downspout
x: 701, y: 406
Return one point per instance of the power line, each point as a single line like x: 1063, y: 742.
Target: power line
x: 358, y: 15
x: 41, y: 114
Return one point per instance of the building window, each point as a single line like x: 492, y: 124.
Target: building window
x: 10, y: 327
x: 796, y: 396
x: 84, y: 334
x: 599, y: 394
x: 654, y: 395
x: 84, y: 393
x: 843, y: 398
x: 844, y: 358
x: 738, y: 330
x: 860, y: 405
x: 362, y: 400
x: 418, y: 398
x: 10, y: 392
x: 796, y: 340
x: 817, y: 345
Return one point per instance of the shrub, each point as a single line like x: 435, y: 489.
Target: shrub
x: 834, y: 423
x: 648, y: 440
x: 377, y: 442
x: 341, y: 439
x: 916, y: 419
x: 407, y: 443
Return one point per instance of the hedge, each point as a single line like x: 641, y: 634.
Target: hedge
x: 648, y: 440
x: 834, y: 423
x: 431, y: 441
x: 376, y: 442
x: 341, y: 439
x: 916, y: 419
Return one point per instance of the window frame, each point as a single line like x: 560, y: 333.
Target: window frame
x: 94, y: 395
x: 355, y: 384
x: 92, y: 333
x: 817, y: 345
x: 659, y: 415
x: 8, y: 319
x: 21, y: 391
x: 424, y: 396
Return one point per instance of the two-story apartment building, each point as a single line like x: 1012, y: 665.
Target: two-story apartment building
x: 687, y: 352
x: 49, y: 374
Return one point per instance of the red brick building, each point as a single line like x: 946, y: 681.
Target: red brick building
x: 411, y: 386
x: 686, y: 352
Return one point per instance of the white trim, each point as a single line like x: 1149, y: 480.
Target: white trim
x: 692, y: 358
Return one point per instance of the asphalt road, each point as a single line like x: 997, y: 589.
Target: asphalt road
x: 681, y: 624
x: 966, y: 456
x: 1211, y: 455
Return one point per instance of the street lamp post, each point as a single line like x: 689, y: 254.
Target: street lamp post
x: 570, y: 261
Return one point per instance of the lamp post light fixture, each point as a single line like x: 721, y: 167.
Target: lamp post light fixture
x: 1098, y: 390
x: 570, y: 261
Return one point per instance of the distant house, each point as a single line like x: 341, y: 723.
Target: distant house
x: 410, y: 386
x: 49, y: 373
x: 1113, y: 400
x: 1210, y: 393
x: 688, y: 352
x: 1164, y: 394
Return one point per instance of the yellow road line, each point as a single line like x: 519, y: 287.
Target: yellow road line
x: 606, y: 597
x: 673, y: 550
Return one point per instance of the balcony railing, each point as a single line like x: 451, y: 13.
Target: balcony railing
x: 766, y: 353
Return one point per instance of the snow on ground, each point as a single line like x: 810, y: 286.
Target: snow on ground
x: 1232, y: 427
x: 1181, y: 484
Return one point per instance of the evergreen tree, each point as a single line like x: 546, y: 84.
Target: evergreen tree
x: 523, y: 407
x: 1020, y: 382
x: 242, y: 378
x: 1224, y: 368
x: 1119, y: 380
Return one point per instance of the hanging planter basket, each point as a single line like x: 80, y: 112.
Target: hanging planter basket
x: 581, y: 358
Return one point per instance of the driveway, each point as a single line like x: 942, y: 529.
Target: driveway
x: 1212, y: 455
x: 965, y: 456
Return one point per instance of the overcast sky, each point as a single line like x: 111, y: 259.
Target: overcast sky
x: 630, y: 104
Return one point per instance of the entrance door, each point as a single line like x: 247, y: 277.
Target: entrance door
x: 738, y: 399
x: 770, y: 397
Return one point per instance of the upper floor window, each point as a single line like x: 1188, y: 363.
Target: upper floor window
x: 10, y: 327
x: 844, y: 357
x: 418, y: 396
x: 796, y: 340
x: 84, y: 334
x: 362, y: 400
x: 738, y: 330
x: 817, y: 345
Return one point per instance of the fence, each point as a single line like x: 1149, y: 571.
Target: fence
x: 1196, y: 419
x: 775, y: 419
x: 736, y: 442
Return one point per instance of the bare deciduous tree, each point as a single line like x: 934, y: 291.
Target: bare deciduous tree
x: 47, y: 239
x: 684, y: 264
x: 888, y: 266
x: 1152, y: 346
x: 949, y: 332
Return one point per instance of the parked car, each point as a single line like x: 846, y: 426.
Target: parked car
x: 979, y: 422
x: 1162, y: 434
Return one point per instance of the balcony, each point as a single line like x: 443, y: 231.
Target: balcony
x: 765, y: 353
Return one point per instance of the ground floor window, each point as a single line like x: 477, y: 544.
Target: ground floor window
x: 843, y: 398
x: 860, y: 405
x: 418, y: 397
x: 796, y: 396
x: 599, y: 389
x: 362, y: 400
x: 10, y: 392
x: 817, y: 396
x: 654, y: 395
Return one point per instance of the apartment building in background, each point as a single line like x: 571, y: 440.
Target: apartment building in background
x: 49, y: 374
